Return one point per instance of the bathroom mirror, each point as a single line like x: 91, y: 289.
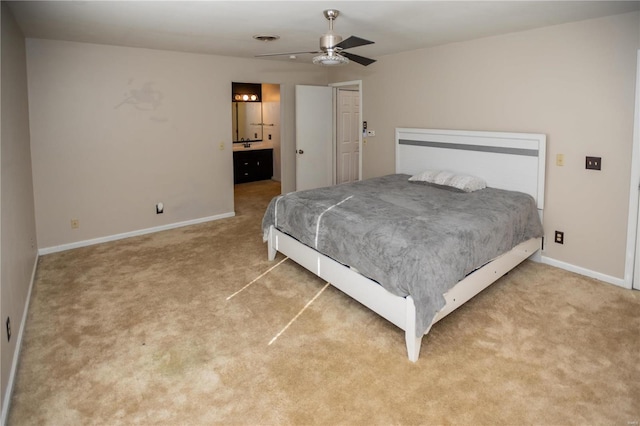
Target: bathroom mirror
x: 247, y: 121
x: 247, y: 112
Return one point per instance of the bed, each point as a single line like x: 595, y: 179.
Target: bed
x: 413, y: 251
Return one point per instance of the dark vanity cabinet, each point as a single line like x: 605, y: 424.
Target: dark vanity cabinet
x: 249, y: 166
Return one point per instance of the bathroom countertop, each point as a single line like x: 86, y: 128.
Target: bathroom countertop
x: 254, y: 146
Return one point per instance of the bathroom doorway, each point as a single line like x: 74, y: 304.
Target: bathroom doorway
x: 256, y: 129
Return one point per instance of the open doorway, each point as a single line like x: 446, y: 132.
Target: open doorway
x: 256, y: 130
x: 317, y: 133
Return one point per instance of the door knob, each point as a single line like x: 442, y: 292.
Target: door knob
x: 300, y: 151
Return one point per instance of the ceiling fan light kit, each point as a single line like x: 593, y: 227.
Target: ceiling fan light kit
x: 332, y: 47
x: 330, y: 60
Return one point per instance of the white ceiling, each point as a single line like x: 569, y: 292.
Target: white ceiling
x: 226, y: 27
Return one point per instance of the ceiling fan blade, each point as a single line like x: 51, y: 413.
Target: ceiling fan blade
x: 353, y: 41
x: 287, y: 53
x: 357, y: 58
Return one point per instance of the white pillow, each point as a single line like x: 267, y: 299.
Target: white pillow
x: 465, y: 183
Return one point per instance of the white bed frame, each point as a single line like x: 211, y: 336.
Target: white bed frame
x: 512, y: 161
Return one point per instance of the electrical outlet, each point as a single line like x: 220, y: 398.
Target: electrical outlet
x: 371, y: 132
x: 594, y: 163
x: 221, y: 146
x: 8, y: 329
x: 75, y: 223
x: 560, y: 160
x: 559, y: 238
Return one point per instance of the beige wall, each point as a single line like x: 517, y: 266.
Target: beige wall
x: 574, y: 82
x: 115, y: 130
x: 18, y: 232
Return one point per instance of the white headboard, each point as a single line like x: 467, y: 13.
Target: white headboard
x: 512, y: 161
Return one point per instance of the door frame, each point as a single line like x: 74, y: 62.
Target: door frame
x: 632, y: 262
x: 282, y: 111
x: 334, y: 148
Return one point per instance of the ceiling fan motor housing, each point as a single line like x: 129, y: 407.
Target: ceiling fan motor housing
x: 329, y: 40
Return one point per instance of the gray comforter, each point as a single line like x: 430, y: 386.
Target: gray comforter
x: 413, y: 238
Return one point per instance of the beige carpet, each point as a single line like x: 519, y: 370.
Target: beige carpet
x: 140, y: 331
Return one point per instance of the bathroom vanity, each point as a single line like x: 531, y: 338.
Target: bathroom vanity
x: 251, y: 164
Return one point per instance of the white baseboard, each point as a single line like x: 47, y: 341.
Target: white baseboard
x: 6, y: 404
x: 586, y: 272
x: 63, y: 247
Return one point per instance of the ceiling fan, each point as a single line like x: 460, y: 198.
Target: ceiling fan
x: 332, y: 47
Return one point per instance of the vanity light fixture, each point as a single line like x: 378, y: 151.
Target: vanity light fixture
x: 246, y: 97
x: 246, y: 92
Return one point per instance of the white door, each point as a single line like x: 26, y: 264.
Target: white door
x: 314, y: 140
x: 348, y: 136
